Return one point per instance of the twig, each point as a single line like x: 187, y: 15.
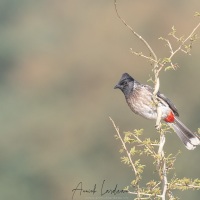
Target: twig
x: 148, y: 148
x: 180, y: 47
x: 144, y: 194
x: 189, y: 186
x: 142, y: 55
x: 124, y: 146
x: 135, y: 33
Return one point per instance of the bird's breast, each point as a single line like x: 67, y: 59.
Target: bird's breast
x: 141, y: 103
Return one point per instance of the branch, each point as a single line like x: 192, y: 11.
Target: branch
x: 135, y: 33
x: 180, y: 47
x: 142, y: 55
x: 151, y: 151
x: 144, y: 194
x: 189, y: 186
x: 124, y: 146
x: 163, y: 169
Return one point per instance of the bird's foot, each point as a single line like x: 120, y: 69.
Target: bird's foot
x: 158, y: 127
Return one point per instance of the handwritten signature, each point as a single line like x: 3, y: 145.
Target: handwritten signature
x: 79, y: 190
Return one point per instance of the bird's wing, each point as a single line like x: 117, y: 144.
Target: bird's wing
x: 164, y: 98
x: 171, y: 105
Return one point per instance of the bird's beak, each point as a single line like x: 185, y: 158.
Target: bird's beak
x: 116, y: 87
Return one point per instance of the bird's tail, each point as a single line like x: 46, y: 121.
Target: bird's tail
x: 190, y: 139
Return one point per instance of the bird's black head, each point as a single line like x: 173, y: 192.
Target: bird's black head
x: 125, y: 84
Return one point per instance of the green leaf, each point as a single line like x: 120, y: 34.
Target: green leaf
x: 125, y: 160
x: 133, y: 151
x: 138, y: 132
x: 166, y: 60
x: 168, y: 68
x: 173, y: 31
x: 197, y: 14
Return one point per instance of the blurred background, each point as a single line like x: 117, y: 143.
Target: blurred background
x: 59, y: 62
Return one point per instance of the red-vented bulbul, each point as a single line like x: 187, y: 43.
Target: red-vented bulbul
x: 139, y: 97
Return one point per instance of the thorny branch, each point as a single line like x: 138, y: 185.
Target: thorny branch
x: 183, y: 42
x: 161, y: 164
x: 158, y: 65
x: 124, y: 146
x: 140, y: 195
x: 159, y: 189
x: 135, y: 33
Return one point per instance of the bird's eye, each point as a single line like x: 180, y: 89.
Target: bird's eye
x: 125, y: 83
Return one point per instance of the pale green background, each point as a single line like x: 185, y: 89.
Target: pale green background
x: 59, y: 62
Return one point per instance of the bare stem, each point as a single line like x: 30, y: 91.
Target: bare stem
x: 142, y: 55
x: 162, y: 163
x: 135, y: 33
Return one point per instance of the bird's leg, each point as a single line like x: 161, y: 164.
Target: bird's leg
x: 159, y: 115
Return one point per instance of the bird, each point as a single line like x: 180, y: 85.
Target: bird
x: 140, y: 99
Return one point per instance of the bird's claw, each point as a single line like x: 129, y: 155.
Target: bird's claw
x: 158, y: 126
